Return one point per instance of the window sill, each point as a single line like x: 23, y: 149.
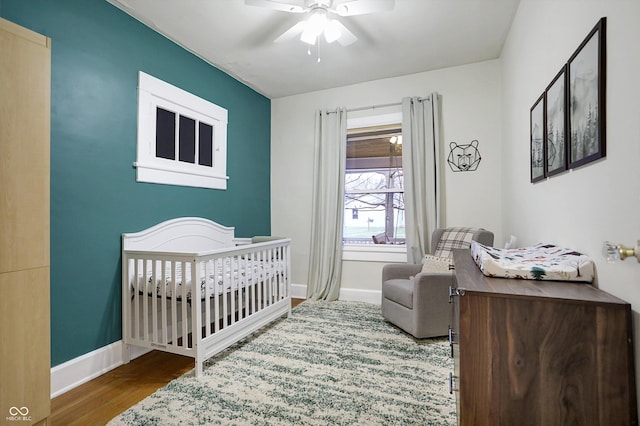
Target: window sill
x: 374, y: 252
x: 177, y: 176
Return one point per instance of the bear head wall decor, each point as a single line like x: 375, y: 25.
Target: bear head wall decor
x: 464, y: 158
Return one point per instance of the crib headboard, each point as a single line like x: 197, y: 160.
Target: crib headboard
x: 185, y: 234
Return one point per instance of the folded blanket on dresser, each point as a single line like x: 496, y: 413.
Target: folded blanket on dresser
x: 537, y: 262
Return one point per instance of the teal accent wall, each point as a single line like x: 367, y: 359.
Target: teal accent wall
x: 97, y: 51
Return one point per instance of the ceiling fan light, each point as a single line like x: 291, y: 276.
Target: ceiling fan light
x: 314, y: 26
x: 332, y: 31
x: 317, y: 21
x: 309, y: 36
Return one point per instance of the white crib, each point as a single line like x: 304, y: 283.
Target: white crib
x: 190, y: 287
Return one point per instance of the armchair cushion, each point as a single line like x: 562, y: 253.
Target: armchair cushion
x: 431, y: 263
x: 454, y: 238
x: 400, y: 291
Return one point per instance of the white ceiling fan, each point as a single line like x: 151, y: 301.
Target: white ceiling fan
x: 319, y: 22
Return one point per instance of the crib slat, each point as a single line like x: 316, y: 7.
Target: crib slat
x: 268, y: 260
x: 270, y: 265
x: 233, y: 283
x: 260, y: 283
x: 247, y: 285
x: 287, y: 267
x: 274, y: 275
x: 174, y: 304
x: 196, y: 305
x: 134, y: 300
x: 162, y: 332
x: 184, y: 304
x: 276, y: 262
x: 250, y: 282
x: 145, y: 304
x: 153, y: 300
x: 273, y: 258
x: 267, y: 286
x: 281, y: 273
x: 263, y: 280
x: 255, y: 285
x: 207, y: 297
x: 225, y: 280
x: 216, y: 295
x: 240, y: 284
x: 285, y: 272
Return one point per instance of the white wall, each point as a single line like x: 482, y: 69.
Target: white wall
x: 471, y: 98
x: 599, y: 201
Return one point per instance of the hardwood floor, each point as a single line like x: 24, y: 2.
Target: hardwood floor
x: 101, y: 399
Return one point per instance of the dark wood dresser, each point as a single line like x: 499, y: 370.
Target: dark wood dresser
x: 539, y: 352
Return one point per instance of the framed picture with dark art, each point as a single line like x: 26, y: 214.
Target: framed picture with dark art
x: 555, y: 140
x: 537, y: 131
x: 586, y: 71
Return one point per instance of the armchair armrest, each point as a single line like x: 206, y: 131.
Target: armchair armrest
x: 428, y: 281
x: 431, y: 291
x: 393, y: 271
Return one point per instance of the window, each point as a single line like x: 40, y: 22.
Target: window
x: 374, y: 185
x: 182, y: 139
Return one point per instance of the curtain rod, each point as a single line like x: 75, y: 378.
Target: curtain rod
x: 374, y: 106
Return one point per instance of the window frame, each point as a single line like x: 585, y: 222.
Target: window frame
x: 154, y: 93
x: 365, y: 251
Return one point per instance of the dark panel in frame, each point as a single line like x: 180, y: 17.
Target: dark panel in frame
x: 536, y: 133
x: 187, y: 135
x: 165, y: 134
x: 556, y: 124
x: 587, y: 96
x: 205, y: 144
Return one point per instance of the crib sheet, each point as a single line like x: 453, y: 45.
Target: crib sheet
x: 218, y: 276
x: 537, y: 262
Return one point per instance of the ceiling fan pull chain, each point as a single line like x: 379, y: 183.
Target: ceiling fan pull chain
x: 318, y: 49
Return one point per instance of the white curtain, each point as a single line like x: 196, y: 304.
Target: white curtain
x: 421, y: 166
x: 325, y: 257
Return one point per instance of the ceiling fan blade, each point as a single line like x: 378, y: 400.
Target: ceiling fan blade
x: 346, y: 37
x: 291, y: 33
x: 292, y: 7
x: 362, y: 7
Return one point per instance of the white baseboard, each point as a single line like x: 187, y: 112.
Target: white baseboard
x: 359, y: 295
x: 77, y: 371
x: 299, y: 291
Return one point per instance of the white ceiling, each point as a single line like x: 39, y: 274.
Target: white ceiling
x: 417, y: 36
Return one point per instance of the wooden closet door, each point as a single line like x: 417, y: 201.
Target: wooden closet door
x: 25, y: 360
x: 25, y: 81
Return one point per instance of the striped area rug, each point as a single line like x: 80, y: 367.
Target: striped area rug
x: 330, y: 363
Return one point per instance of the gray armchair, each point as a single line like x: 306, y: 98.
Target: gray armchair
x: 416, y: 301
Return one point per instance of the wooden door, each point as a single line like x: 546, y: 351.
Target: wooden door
x: 25, y: 86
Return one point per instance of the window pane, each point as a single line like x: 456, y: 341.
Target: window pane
x: 205, y: 145
x: 374, y: 183
x: 187, y: 134
x: 371, y: 180
x: 369, y: 214
x: 165, y: 134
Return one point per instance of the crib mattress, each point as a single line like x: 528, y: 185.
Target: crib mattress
x: 537, y: 262
x: 215, y: 276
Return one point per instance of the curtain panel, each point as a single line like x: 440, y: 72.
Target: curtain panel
x: 325, y: 260
x: 422, y: 175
